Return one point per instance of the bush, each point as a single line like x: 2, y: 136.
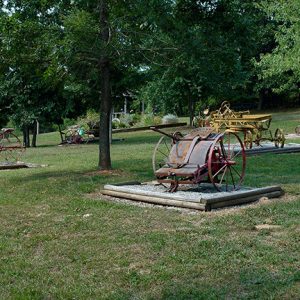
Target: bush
x: 150, y: 120
x: 126, y: 121
x: 136, y: 118
x: 91, y: 120
x: 115, y: 123
x: 169, y: 119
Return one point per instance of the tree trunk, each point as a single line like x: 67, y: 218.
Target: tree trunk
x: 26, y: 137
x: 191, y: 109
x: 34, y: 134
x: 61, y: 134
x: 260, y: 102
x: 105, y: 97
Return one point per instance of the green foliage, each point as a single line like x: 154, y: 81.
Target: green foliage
x: 280, y: 69
x: 150, y: 120
x: 90, y: 120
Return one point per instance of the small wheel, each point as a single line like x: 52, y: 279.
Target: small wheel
x: 248, y: 140
x: 224, y: 106
x: 11, y: 147
x: 227, y: 162
x: 161, y: 152
x: 279, y: 138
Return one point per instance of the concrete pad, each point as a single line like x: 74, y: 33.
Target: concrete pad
x: 202, y: 196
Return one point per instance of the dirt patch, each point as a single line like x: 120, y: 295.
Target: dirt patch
x: 267, y: 227
x: 114, y: 172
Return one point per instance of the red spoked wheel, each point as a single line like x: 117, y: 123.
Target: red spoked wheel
x: 11, y: 147
x: 227, y: 162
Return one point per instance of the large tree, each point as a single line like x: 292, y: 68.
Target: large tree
x: 216, y: 43
x: 31, y: 89
x: 109, y: 42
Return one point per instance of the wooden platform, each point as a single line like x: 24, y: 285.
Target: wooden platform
x: 204, y: 197
x: 18, y: 165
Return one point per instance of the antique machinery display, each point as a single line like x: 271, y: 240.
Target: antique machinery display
x: 254, y: 127
x: 11, y: 147
x: 200, y: 156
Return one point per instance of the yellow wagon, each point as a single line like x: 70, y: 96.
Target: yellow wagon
x: 254, y: 127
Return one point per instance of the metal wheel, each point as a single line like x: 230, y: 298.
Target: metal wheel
x: 224, y: 106
x: 279, y: 138
x: 248, y: 139
x: 11, y: 147
x: 161, y: 152
x: 227, y: 162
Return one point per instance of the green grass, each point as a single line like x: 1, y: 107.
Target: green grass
x: 58, y: 243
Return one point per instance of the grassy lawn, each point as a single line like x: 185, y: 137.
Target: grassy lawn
x: 56, y: 242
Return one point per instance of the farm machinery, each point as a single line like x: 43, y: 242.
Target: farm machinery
x: 255, y: 128
x: 203, y: 155
x: 11, y: 148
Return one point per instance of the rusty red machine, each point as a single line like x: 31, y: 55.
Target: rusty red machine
x: 200, y: 156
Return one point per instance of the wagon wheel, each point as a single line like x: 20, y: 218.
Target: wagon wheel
x: 248, y: 139
x: 279, y: 138
x: 161, y: 152
x: 11, y: 147
x: 227, y: 162
x: 224, y: 106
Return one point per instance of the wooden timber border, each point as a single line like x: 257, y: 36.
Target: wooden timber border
x: 202, y: 203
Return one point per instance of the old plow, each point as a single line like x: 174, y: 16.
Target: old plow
x: 203, y: 155
x: 255, y: 128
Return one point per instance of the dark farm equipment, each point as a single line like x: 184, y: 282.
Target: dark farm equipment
x: 200, y: 156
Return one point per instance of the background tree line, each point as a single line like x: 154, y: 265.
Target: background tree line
x: 60, y: 58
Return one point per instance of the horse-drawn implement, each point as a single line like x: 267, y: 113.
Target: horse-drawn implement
x: 200, y: 156
x: 11, y: 147
x: 254, y: 127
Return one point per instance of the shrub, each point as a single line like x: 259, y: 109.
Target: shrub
x: 115, y: 123
x: 126, y: 121
x: 91, y: 120
x: 147, y: 120
x: 169, y: 119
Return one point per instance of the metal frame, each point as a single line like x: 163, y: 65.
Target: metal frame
x: 254, y: 127
x: 11, y: 147
x: 200, y: 156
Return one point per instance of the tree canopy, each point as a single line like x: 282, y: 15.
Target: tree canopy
x: 60, y: 58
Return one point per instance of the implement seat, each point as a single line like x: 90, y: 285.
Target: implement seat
x: 186, y: 156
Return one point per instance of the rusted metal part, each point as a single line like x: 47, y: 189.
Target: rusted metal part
x: 11, y: 148
x: 200, y: 156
